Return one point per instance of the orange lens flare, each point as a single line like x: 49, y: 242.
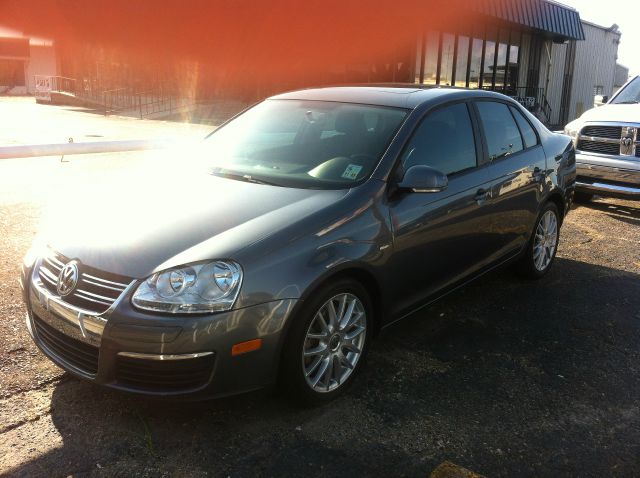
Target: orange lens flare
x: 245, y: 347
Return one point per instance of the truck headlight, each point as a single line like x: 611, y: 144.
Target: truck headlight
x: 572, y: 130
x: 195, y: 288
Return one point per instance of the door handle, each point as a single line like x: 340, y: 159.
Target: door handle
x: 481, y: 196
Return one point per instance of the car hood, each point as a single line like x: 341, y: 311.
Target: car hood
x: 136, y: 231
x: 613, y: 112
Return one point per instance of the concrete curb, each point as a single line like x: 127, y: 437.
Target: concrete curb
x: 25, y: 151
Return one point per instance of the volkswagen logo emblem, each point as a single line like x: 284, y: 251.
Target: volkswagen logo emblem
x: 67, y: 279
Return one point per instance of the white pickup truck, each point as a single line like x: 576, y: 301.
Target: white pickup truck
x: 607, y: 141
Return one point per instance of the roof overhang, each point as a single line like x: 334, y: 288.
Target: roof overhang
x: 557, y: 21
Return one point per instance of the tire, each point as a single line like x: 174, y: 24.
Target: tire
x: 532, y: 265
x: 581, y: 197
x: 335, y: 351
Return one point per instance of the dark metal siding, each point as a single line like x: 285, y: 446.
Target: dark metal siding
x: 539, y: 14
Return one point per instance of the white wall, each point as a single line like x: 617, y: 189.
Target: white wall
x: 595, y: 64
x: 42, y: 61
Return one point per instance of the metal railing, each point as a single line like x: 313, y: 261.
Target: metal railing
x: 157, y: 101
x: 531, y: 97
x: 115, y: 100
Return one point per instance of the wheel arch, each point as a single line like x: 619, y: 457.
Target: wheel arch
x: 353, y: 271
x: 557, y: 198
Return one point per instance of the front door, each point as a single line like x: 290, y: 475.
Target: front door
x: 441, y: 237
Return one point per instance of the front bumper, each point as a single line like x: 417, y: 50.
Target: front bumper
x: 154, y: 354
x: 608, y: 176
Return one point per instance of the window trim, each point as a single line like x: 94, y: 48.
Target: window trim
x: 477, y: 138
x: 535, y: 132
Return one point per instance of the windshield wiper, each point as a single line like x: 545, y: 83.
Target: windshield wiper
x: 628, y: 102
x: 247, y: 178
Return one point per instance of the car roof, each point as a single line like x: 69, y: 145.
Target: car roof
x: 398, y: 96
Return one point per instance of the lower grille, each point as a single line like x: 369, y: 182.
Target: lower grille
x: 82, y: 356
x: 164, y: 375
x: 598, y: 147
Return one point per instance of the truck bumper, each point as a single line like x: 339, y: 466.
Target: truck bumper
x: 608, y: 177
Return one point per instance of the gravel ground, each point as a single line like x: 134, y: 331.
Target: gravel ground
x: 504, y: 377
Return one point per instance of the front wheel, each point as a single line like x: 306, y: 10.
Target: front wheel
x: 543, y: 245
x: 328, y: 342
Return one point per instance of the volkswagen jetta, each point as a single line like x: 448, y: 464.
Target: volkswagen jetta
x: 324, y: 216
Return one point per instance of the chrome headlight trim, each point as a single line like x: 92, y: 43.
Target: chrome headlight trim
x: 197, y: 288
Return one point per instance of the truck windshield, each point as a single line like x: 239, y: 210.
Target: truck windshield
x: 307, y: 144
x: 630, y: 94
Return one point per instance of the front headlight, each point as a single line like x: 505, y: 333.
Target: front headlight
x: 196, y: 288
x: 572, y: 129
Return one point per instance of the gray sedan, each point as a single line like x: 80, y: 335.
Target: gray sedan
x: 323, y: 216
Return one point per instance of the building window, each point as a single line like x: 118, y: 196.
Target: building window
x: 489, y: 59
x: 461, y: 61
x: 500, y: 68
x: 485, y: 58
x: 512, y: 65
x: 431, y: 58
x: 475, y: 64
x: 447, y: 59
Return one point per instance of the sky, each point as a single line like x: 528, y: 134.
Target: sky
x: 626, y: 15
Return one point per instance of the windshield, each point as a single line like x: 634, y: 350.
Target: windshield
x: 307, y: 144
x: 630, y: 93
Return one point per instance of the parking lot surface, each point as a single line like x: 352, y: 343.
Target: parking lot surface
x: 504, y: 377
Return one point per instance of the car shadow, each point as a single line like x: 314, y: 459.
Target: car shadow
x: 615, y: 210
x: 506, y: 377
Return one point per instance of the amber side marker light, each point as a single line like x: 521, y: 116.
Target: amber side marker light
x: 244, y: 347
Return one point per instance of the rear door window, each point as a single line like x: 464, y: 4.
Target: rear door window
x: 528, y: 134
x: 500, y: 129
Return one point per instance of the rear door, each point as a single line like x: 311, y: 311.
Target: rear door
x: 517, y: 169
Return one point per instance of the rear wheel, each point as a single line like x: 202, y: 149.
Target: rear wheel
x: 328, y: 342
x: 543, y: 245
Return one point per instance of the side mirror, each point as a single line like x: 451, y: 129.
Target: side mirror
x: 423, y: 179
x: 600, y: 100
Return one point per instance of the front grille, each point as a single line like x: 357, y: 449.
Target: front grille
x: 601, y: 131
x: 79, y: 354
x: 96, y: 290
x: 598, y: 147
x: 164, y: 375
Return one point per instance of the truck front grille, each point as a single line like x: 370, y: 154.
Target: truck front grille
x: 614, y: 140
x: 96, y: 290
x: 603, y: 131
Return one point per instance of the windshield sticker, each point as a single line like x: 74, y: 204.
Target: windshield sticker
x: 352, y: 171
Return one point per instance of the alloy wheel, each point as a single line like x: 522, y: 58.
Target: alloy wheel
x: 334, y: 342
x: 545, y: 242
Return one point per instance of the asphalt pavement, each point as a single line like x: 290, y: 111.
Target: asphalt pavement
x: 504, y: 377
